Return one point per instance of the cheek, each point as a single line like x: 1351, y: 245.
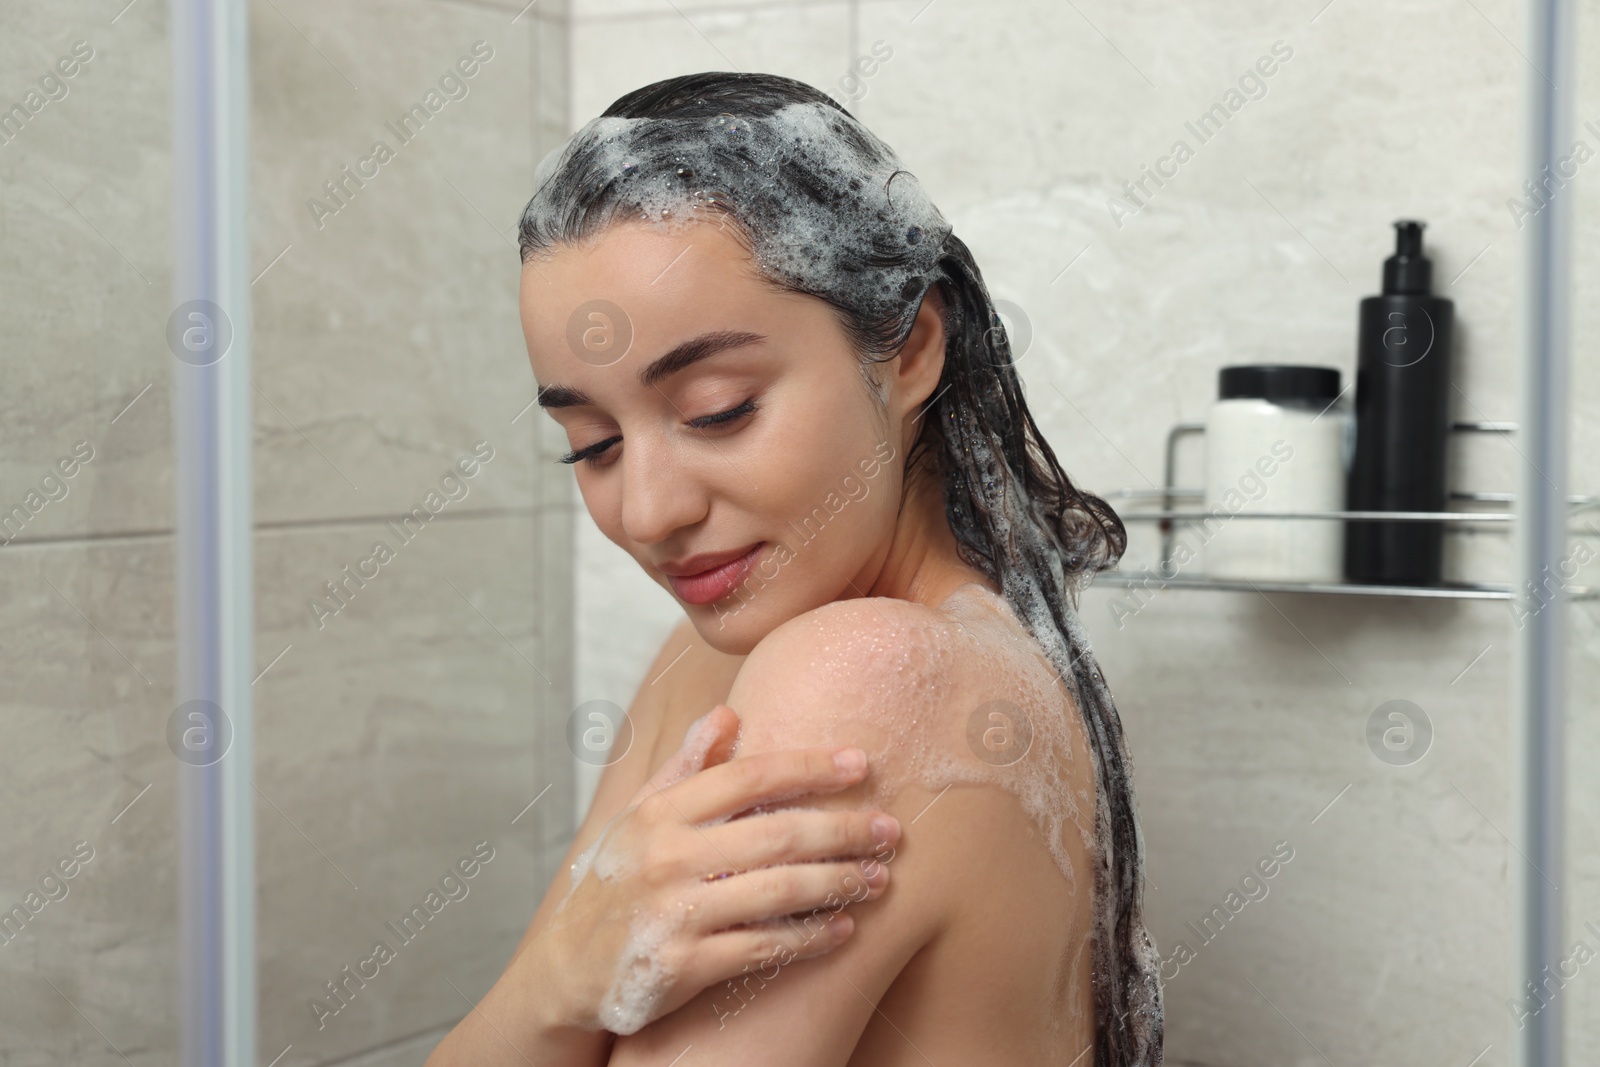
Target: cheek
x: 872, y: 514
x: 826, y: 491
x: 834, y: 428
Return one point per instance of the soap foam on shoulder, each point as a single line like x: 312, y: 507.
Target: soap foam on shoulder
x: 908, y: 664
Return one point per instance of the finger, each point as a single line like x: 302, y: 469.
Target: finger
x: 798, y: 835
x: 763, y: 948
x: 720, y: 749
x: 709, y: 739
x: 733, y: 965
x: 809, y: 891
x: 717, y: 793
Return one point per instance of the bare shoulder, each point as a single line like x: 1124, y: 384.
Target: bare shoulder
x: 888, y: 670
x: 955, y: 695
x: 849, y: 672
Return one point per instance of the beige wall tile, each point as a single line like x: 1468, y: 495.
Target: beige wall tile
x: 392, y: 739
x: 84, y: 219
x: 389, y: 743
x: 88, y: 660
x: 386, y: 338
x: 633, y: 9
x: 615, y: 56
x: 388, y: 333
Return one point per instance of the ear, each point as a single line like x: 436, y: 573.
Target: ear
x: 914, y: 374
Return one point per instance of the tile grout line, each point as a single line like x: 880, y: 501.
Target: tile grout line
x: 709, y: 9
x: 78, y: 540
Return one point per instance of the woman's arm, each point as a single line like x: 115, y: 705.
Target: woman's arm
x: 798, y: 688
x: 665, y: 844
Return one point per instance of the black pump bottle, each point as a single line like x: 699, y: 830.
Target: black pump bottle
x: 1402, y: 421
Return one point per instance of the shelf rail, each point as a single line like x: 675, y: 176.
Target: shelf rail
x: 1168, y: 515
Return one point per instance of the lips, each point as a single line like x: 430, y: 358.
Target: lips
x: 710, y: 577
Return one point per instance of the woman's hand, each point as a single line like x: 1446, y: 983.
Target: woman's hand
x: 676, y: 893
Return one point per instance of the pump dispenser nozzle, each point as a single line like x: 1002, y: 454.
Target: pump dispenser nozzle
x: 1408, y: 270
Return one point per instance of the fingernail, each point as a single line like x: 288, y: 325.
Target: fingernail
x: 885, y: 828
x: 850, y: 760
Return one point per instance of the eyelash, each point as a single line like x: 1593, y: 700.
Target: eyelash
x: 592, y: 453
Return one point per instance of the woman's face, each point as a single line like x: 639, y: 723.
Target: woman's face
x: 729, y: 442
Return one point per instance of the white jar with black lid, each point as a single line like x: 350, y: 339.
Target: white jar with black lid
x: 1278, y: 438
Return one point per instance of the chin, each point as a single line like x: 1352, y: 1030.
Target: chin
x: 734, y: 628
x: 739, y: 621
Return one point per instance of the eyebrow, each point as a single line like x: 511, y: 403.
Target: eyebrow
x: 684, y: 355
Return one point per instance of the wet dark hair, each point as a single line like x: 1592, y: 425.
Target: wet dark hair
x: 1016, y: 515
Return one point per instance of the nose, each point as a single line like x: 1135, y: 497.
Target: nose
x: 662, y: 492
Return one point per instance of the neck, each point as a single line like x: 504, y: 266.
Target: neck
x: 922, y: 563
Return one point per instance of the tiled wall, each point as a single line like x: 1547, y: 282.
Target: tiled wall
x: 1384, y: 939
x: 394, y: 732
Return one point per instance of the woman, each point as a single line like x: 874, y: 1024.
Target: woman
x: 790, y: 399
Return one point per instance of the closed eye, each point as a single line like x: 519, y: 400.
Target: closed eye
x: 592, y: 453
x: 704, y: 421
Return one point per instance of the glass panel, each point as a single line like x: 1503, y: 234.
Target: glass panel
x: 408, y: 588
x: 88, y: 820
x: 412, y: 589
